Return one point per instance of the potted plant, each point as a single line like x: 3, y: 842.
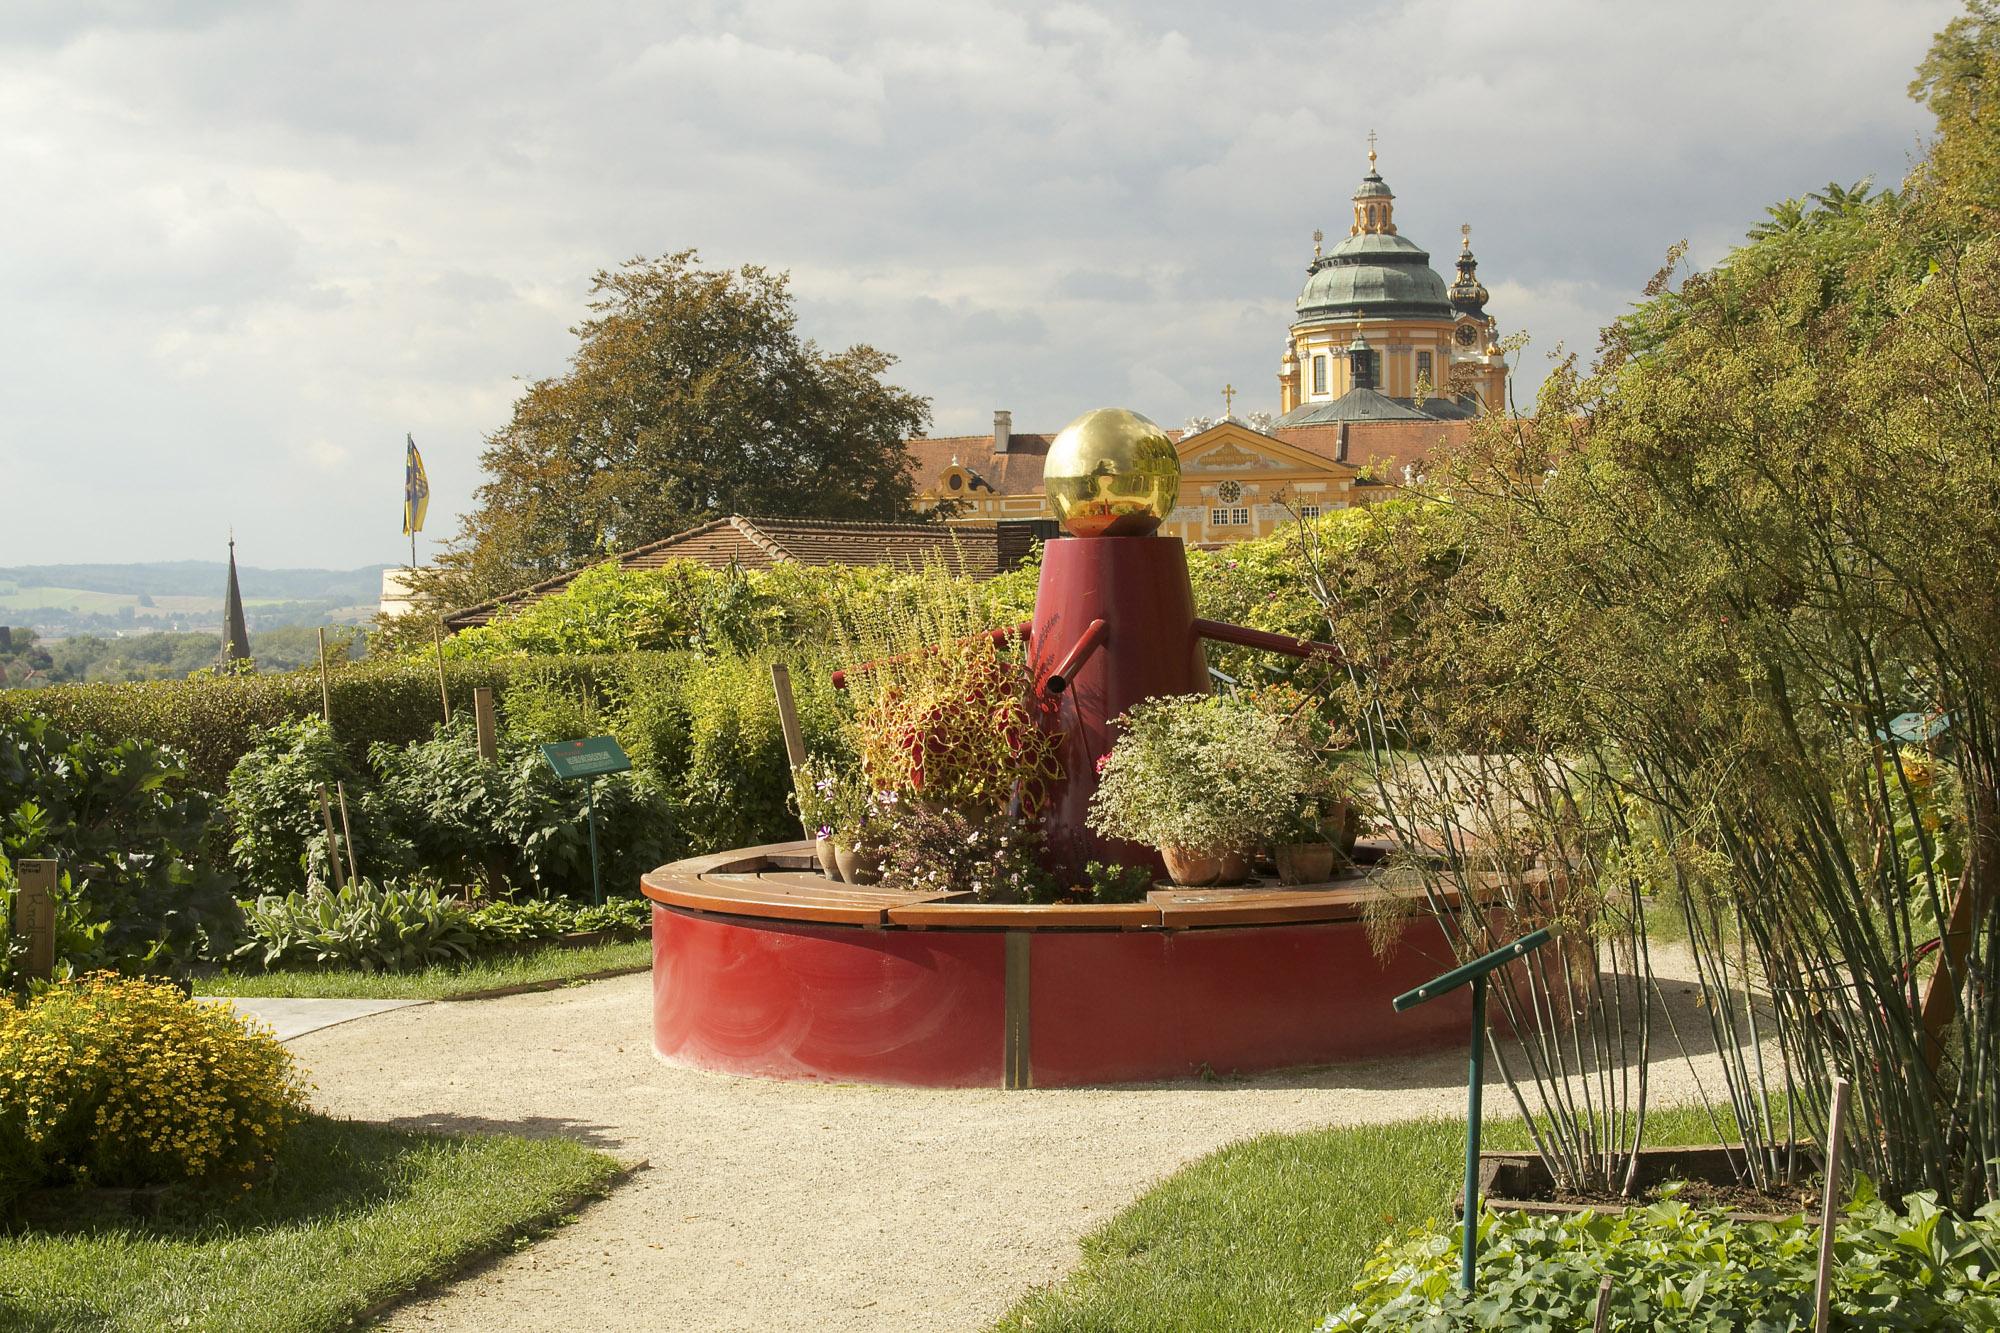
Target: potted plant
x: 862, y: 818
x: 1204, y: 779
x: 1300, y: 850
x: 815, y: 784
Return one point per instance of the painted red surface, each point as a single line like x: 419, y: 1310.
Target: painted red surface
x: 1138, y: 586
x: 1167, y: 1004
x: 783, y: 1000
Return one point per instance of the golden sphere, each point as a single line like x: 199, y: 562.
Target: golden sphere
x: 1112, y: 473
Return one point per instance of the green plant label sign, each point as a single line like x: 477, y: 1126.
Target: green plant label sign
x: 586, y: 758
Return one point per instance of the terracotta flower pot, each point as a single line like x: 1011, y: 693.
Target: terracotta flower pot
x: 1235, y: 868
x: 1191, y: 868
x: 1343, y: 825
x: 828, y: 866
x: 858, y: 867
x: 1304, y: 862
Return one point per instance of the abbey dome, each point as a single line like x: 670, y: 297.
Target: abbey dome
x: 1374, y: 273
x: 1378, y: 335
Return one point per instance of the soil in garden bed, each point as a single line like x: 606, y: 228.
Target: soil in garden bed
x: 1705, y: 1177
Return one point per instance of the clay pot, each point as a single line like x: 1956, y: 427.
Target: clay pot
x: 1304, y: 862
x: 828, y: 866
x: 1189, y: 868
x: 858, y: 867
x: 1343, y: 825
x: 1197, y: 869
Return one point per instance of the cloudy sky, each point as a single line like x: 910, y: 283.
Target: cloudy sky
x: 245, y: 247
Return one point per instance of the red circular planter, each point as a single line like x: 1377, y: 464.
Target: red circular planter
x: 762, y: 967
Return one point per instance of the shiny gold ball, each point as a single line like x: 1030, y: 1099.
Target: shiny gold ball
x: 1112, y: 473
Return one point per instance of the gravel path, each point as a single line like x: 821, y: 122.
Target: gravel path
x: 785, y: 1205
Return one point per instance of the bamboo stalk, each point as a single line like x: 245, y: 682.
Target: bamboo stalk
x: 325, y: 687
x: 347, y: 832
x: 1835, y: 1124
x: 332, y: 846
x: 444, y: 695
x: 1603, y: 1320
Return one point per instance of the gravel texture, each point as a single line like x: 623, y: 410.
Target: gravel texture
x: 771, y: 1205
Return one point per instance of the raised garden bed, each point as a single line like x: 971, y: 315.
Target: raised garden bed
x: 1520, y: 1182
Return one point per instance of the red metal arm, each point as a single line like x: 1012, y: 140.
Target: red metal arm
x: 1223, y: 632
x: 1084, y: 649
x: 992, y: 635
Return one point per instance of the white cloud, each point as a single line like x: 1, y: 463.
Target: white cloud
x: 248, y: 247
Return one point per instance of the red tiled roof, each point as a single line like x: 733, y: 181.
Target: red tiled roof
x: 1384, y: 448
x: 978, y: 549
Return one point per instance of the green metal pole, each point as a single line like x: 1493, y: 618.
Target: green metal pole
x: 590, y: 801
x: 1475, y: 1084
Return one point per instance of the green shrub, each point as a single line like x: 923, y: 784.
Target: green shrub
x: 135, y: 895
x: 274, y: 810
x: 213, y: 721
x: 112, y: 1081
x: 1674, y: 1267
x: 532, y: 920
x: 512, y: 822
x: 385, y: 927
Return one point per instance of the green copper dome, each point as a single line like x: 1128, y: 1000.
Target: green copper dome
x: 1374, y: 274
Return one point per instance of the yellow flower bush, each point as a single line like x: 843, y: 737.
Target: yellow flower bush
x: 121, y: 1081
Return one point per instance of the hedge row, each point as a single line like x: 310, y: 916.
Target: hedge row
x: 214, y: 720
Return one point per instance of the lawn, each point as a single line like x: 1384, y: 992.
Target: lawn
x: 548, y: 965
x: 352, y: 1216
x: 1270, y: 1233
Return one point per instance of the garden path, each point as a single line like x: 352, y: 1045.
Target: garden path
x: 784, y: 1205
x: 288, y: 1018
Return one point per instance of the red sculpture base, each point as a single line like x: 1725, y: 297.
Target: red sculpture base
x: 1138, y: 588
x: 762, y: 968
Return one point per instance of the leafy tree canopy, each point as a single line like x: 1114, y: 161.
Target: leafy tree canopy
x: 690, y: 396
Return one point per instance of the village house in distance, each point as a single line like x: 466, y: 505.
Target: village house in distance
x: 1383, y: 362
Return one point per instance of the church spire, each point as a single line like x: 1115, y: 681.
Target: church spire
x: 1373, y: 203
x: 1468, y: 294
x: 235, y: 633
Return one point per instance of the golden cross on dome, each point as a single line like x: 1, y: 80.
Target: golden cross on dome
x: 1228, y: 398
x: 1371, y: 148
x: 1318, y: 237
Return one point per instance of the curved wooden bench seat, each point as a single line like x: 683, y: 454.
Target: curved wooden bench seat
x: 773, y: 882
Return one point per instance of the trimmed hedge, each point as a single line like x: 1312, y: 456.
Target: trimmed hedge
x: 215, y: 720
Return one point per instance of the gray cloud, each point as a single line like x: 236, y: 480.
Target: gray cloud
x: 249, y: 246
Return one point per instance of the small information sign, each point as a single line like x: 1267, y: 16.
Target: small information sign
x: 579, y: 761
x: 590, y: 757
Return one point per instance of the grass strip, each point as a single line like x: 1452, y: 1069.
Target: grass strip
x: 1271, y: 1232
x: 547, y: 965
x: 352, y: 1216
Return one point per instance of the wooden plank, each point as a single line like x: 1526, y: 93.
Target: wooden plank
x: 35, y: 914
x: 937, y: 915
x: 701, y: 895
x: 738, y: 860
x: 1015, y: 1063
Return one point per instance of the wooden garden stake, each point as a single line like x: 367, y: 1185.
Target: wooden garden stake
x: 1836, y: 1118
x: 1475, y: 973
x: 35, y: 915
x: 444, y: 695
x: 325, y: 688
x: 788, y: 720
x: 482, y: 723
x: 1603, y: 1305
x: 347, y: 833
x: 332, y: 845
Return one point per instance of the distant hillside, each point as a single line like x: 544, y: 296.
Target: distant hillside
x: 204, y: 578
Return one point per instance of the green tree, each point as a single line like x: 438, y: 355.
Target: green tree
x: 1712, y: 571
x: 690, y: 396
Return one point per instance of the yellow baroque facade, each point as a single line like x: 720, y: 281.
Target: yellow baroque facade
x: 1383, y: 361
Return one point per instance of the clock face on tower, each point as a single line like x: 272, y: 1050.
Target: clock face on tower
x: 1229, y: 492
x: 1466, y: 335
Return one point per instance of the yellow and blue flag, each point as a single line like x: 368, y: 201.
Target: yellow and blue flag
x: 416, y: 488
